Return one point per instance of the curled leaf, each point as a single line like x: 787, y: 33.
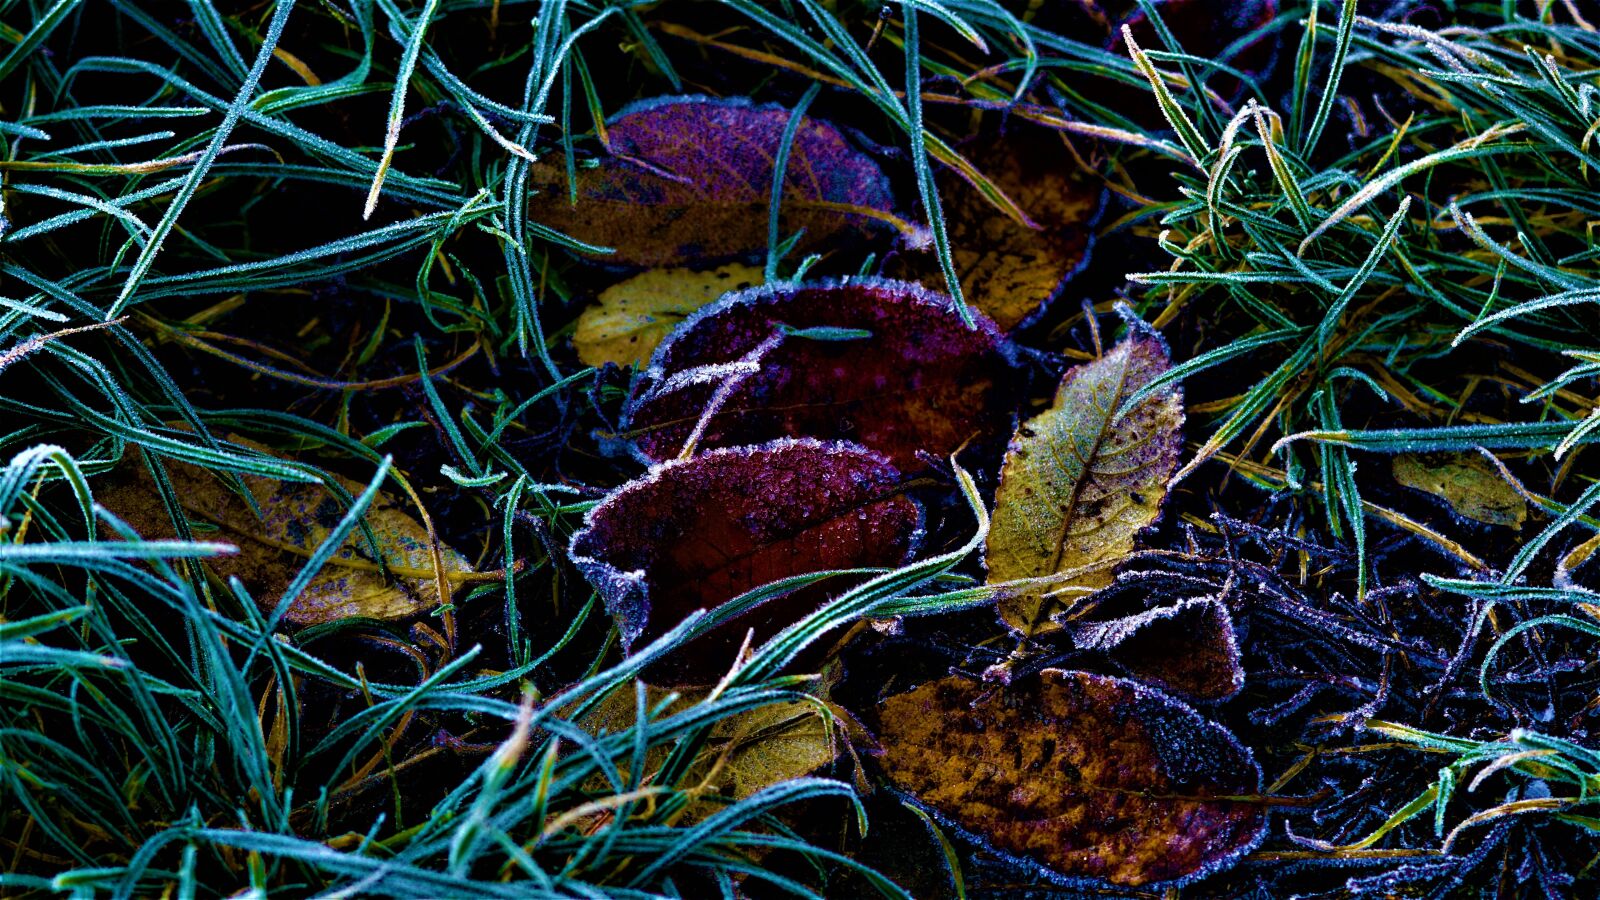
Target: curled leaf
x: 696, y: 533
x: 1469, y: 483
x: 885, y: 364
x: 295, y: 519
x: 629, y: 319
x: 689, y: 179
x: 1010, y: 271
x: 1188, y: 648
x: 1095, y: 778
x: 1081, y: 481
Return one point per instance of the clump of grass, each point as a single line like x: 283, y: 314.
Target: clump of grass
x: 1445, y: 227
x: 169, y: 182
x: 1389, y: 244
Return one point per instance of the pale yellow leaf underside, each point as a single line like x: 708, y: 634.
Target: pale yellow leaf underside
x: 1079, y: 483
x: 629, y: 319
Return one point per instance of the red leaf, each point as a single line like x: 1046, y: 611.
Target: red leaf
x: 912, y: 378
x: 693, y: 534
x: 689, y: 180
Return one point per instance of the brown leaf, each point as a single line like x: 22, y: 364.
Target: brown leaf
x: 1472, y: 485
x: 693, y: 534
x: 1081, y: 481
x: 886, y: 364
x: 667, y: 195
x: 1008, y: 270
x: 1187, y: 648
x: 1093, y: 777
x: 295, y: 520
x: 630, y: 318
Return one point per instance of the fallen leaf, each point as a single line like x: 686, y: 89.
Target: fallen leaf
x: 1092, y: 777
x: 1470, y: 484
x: 743, y: 753
x: 1187, y: 649
x: 695, y: 533
x: 1080, y: 482
x: 768, y: 745
x: 630, y: 318
x: 667, y: 195
x: 295, y: 518
x: 885, y: 364
x: 1008, y: 270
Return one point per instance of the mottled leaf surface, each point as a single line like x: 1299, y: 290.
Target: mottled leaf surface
x: 1095, y: 778
x: 689, y: 180
x: 695, y: 533
x: 885, y: 364
x: 1080, y: 481
x: 1470, y: 484
x: 1008, y: 270
x: 629, y: 319
x: 295, y: 519
x: 1188, y: 648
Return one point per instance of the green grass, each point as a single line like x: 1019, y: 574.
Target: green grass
x: 1368, y: 283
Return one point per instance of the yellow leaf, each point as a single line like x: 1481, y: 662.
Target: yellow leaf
x: 744, y: 752
x: 630, y: 318
x: 295, y: 518
x: 768, y: 745
x: 1080, y: 482
x: 1008, y: 270
x: 1472, y: 485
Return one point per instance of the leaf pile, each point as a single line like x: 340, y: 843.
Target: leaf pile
x: 720, y: 394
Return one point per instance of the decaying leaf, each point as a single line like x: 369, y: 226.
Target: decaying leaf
x: 1469, y: 483
x: 630, y: 318
x: 689, y: 179
x: 885, y: 364
x: 1080, y: 481
x: 744, y: 752
x: 695, y: 533
x: 1188, y: 648
x: 295, y: 518
x: 1008, y: 270
x: 1093, y: 777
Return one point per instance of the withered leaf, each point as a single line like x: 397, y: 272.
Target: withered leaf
x: 689, y: 179
x: 1080, y: 481
x: 1188, y: 648
x: 629, y: 319
x: 1008, y: 270
x: 1095, y: 778
x: 1470, y: 484
x: 885, y: 364
x: 744, y: 752
x: 295, y: 519
x: 695, y: 533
